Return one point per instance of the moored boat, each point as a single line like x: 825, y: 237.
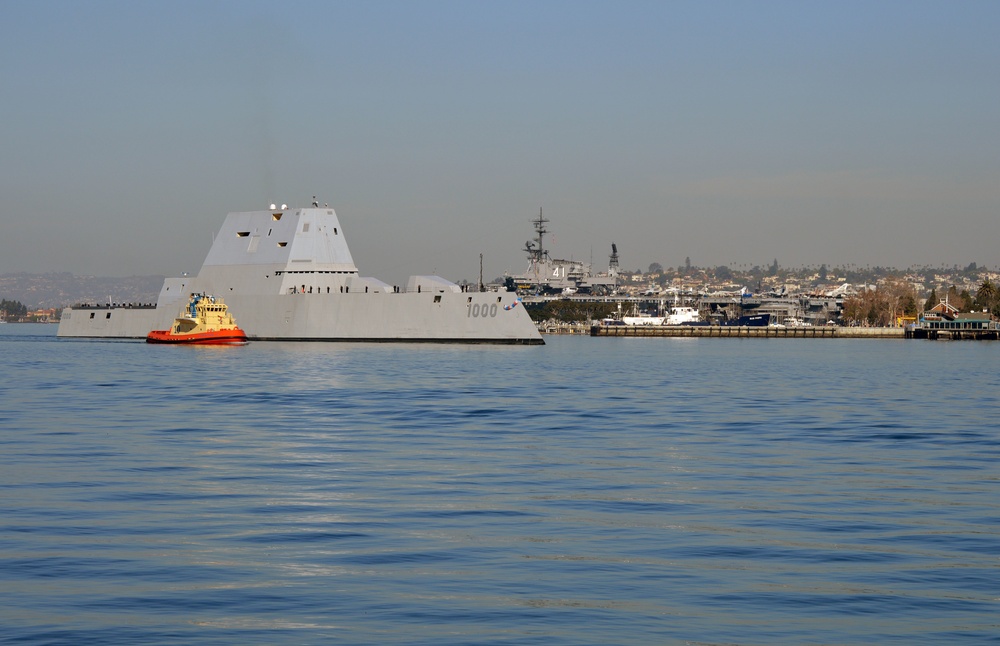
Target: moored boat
x: 749, y: 320
x: 205, y: 321
x: 683, y: 315
x: 643, y: 318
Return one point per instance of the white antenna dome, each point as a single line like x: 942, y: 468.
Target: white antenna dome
x: 273, y: 207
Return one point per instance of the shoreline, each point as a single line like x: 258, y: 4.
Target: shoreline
x: 718, y: 331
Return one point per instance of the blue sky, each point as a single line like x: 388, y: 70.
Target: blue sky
x: 731, y: 132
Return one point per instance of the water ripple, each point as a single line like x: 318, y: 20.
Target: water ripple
x: 590, y: 491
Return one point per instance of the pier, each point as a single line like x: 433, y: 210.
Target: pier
x: 990, y: 334
x: 704, y: 331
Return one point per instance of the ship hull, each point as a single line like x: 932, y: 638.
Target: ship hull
x: 750, y: 320
x: 219, y: 337
x: 476, y: 317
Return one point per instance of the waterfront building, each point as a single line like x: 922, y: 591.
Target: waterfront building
x: 945, y: 321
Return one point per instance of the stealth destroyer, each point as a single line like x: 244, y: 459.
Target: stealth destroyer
x: 287, y: 274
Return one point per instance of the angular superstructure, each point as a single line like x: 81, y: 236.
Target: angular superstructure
x: 288, y: 274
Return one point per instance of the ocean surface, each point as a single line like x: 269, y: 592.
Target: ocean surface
x: 589, y: 491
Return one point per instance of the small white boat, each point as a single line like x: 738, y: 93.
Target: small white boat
x: 682, y: 315
x: 635, y: 317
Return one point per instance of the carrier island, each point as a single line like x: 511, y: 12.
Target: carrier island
x: 287, y: 274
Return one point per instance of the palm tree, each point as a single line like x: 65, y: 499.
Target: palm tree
x: 987, y: 294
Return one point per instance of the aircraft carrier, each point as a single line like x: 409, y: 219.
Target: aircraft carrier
x: 547, y: 275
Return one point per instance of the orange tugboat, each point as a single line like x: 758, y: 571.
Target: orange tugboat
x: 205, y: 321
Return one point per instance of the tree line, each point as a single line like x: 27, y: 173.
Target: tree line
x: 895, y: 298
x: 13, y: 309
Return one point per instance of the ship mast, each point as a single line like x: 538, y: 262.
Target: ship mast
x: 536, y: 255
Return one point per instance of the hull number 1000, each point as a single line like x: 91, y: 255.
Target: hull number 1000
x: 482, y: 311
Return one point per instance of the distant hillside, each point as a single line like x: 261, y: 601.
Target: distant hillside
x: 61, y: 289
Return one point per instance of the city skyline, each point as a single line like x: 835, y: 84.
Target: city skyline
x: 733, y: 133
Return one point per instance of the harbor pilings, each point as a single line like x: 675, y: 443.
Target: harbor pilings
x: 705, y: 331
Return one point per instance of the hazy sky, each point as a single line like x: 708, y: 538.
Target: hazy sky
x: 731, y: 132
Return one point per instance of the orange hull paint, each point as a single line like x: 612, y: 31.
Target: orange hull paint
x: 234, y: 336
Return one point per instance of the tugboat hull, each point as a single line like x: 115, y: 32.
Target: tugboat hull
x: 224, y: 337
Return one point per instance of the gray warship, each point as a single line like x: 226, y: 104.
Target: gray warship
x: 547, y: 275
x: 287, y: 274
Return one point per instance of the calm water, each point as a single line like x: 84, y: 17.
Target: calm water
x: 591, y: 491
